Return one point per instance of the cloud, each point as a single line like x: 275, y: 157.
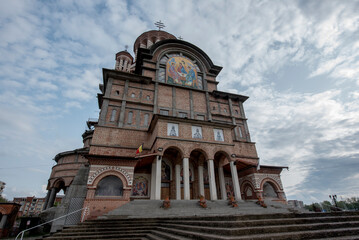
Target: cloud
x: 51, y: 55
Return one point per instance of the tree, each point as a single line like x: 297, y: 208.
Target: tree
x: 3, y: 200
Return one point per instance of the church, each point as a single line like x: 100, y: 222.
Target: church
x: 164, y: 131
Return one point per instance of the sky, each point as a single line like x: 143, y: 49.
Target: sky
x: 298, y: 61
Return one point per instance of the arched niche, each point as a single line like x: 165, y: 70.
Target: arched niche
x: 269, y: 190
x: 109, y: 186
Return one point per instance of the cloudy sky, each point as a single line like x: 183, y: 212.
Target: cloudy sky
x: 297, y: 60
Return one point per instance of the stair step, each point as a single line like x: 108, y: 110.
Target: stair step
x: 159, y: 235
x: 101, y: 236
x: 261, y: 229
x: 266, y: 222
x: 291, y: 235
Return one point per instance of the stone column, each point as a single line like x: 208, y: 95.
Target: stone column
x: 200, y: 180
x: 153, y: 179
x: 212, y: 180
x: 46, y: 200
x: 3, y: 221
x: 186, y: 195
x: 222, y: 183
x: 236, y: 188
x: 158, y: 178
x: 178, y: 181
x: 52, y: 198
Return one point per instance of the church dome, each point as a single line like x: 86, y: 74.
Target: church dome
x: 147, y: 39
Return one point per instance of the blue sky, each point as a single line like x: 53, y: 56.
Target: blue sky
x: 298, y: 61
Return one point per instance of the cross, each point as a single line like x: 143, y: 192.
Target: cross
x: 180, y: 38
x: 160, y: 25
x: 126, y: 47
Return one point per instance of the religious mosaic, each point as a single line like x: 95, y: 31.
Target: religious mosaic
x: 172, y: 129
x: 229, y: 187
x: 218, y: 135
x: 196, y: 132
x: 180, y: 70
x: 165, y: 171
x: 140, y: 187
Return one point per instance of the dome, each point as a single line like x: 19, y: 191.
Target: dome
x: 147, y: 39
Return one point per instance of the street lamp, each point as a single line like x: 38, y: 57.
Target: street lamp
x: 334, y: 198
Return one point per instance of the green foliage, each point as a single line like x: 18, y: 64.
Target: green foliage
x: 351, y: 204
x: 3, y: 200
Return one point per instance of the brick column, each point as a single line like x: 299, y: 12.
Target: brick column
x: 222, y: 183
x: 186, y: 179
x: 236, y: 188
x: 200, y: 180
x: 178, y: 181
x: 212, y: 180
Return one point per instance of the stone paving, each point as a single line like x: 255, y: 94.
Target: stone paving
x: 181, y: 208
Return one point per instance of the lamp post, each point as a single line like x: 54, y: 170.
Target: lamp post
x: 334, y: 198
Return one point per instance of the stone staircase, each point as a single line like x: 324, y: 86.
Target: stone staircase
x: 248, y: 221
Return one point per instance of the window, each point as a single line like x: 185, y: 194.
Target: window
x: 113, y: 115
x: 164, y: 112
x: 109, y: 186
x: 196, y: 132
x: 200, y: 117
x: 133, y: 95
x: 172, y: 129
x: 225, y: 110
x: 117, y: 92
x: 130, y: 115
x: 236, y: 112
x: 146, y: 119
x: 218, y: 135
x: 148, y: 97
x: 182, y: 115
x: 240, y: 132
x: 214, y: 108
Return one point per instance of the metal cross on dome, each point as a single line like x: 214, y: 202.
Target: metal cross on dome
x: 160, y: 25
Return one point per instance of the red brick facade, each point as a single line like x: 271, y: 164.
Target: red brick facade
x: 195, y: 138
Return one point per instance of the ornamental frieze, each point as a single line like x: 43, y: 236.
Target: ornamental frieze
x: 93, y: 176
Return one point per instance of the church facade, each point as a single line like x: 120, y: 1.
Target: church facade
x: 194, y: 138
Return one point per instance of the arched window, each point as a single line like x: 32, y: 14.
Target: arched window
x: 109, y: 186
x: 130, y: 115
x: 133, y: 95
x: 268, y: 191
x: 113, y: 115
x: 146, y: 119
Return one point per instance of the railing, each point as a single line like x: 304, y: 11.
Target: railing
x: 82, y: 219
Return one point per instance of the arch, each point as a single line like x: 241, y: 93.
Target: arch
x: 109, y: 186
x: 244, y: 188
x: 272, y: 181
x: 59, y: 184
x: 269, y: 190
x: 224, y: 159
x: 206, y: 61
x: 177, y: 147
x: 194, y: 149
x: 116, y: 173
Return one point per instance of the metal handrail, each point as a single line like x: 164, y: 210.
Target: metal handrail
x: 82, y: 219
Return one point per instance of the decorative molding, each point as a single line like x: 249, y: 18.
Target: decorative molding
x: 108, y: 168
